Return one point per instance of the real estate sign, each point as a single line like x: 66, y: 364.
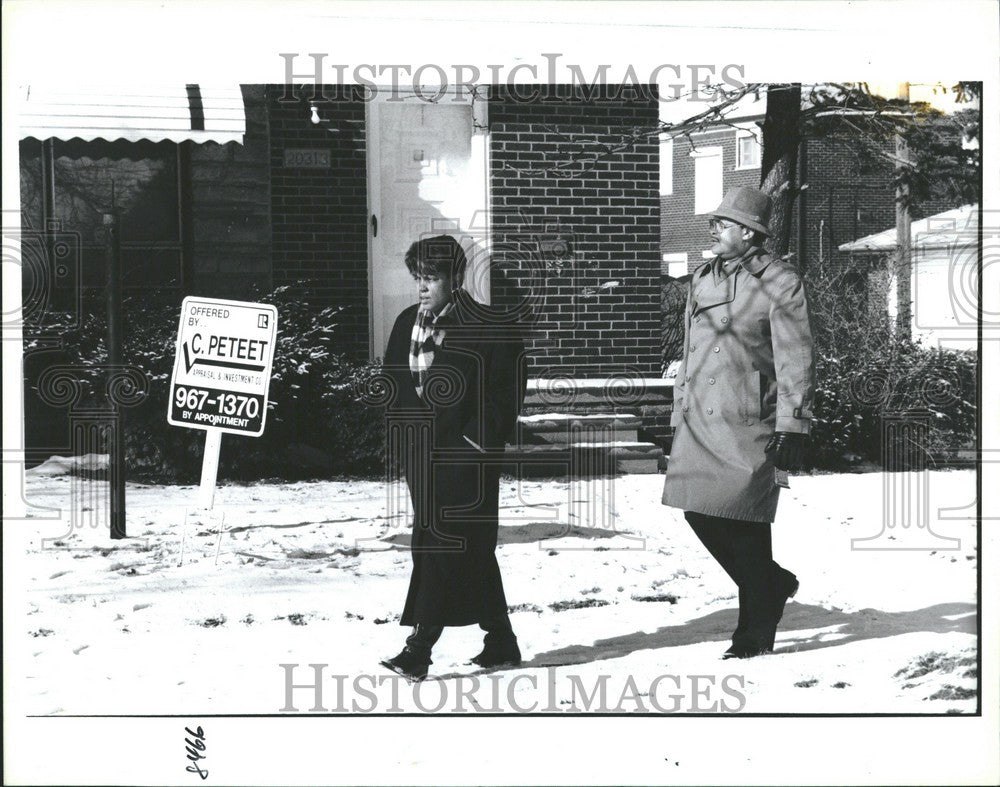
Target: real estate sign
x: 222, y: 366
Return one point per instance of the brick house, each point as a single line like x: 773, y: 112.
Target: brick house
x: 329, y: 187
x: 846, y: 198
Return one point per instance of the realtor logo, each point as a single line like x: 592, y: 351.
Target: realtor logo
x: 262, y: 320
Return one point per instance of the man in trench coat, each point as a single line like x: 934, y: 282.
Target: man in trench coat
x: 742, y: 409
x: 459, y: 376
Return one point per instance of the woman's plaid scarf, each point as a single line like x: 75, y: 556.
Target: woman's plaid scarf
x: 424, y: 340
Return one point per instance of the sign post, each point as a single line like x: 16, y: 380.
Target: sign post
x: 222, y: 370
x: 209, y: 468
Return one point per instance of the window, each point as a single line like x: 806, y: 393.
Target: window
x: 87, y: 178
x: 747, y: 150
x: 707, y: 179
x: 674, y: 265
x: 666, y: 165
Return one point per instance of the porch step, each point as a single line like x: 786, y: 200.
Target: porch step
x: 600, y: 425
x: 603, y: 394
x: 593, y: 458
x: 566, y: 427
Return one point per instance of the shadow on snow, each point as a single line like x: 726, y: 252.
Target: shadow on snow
x: 864, y: 624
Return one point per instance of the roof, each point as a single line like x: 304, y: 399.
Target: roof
x: 942, y: 230
x: 177, y: 113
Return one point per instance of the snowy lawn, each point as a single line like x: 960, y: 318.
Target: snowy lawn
x: 194, y: 613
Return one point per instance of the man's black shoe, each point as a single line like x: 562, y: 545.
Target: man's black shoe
x: 791, y: 587
x: 409, y: 664
x: 744, y: 652
x: 505, y: 654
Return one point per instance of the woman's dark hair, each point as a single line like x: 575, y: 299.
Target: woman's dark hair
x: 441, y: 255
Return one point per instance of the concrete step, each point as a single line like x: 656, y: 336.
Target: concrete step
x: 582, y: 394
x: 586, y: 401
x: 567, y: 427
x: 598, y: 384
x: 594, y: 458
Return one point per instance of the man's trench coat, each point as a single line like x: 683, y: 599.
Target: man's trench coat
x: 475, y: 389
x: 747, y: 372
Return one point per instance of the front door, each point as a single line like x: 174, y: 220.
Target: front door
x: 427, y: 175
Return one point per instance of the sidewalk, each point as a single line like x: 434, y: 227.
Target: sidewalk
x: 193, y: 614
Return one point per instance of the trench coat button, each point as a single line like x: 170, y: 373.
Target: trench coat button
x: 687, y: 378
x: 685, y: 408
x: 710, y: 411
x: 725, y: 320
x: 691, y: 348
x: 711, y: 381
x: 715, y: 349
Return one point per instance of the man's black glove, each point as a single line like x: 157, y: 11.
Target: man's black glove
x: 787, y: 448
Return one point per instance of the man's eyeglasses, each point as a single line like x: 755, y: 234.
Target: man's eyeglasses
x: 718, y: 225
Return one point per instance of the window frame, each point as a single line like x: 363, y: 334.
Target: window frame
x: 744, y: 134
x: 49, y: 151
x: 706, y: 152
x: 666, y: 165
x: 671, y: 259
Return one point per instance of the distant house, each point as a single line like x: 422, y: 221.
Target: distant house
x: 944, y: 281
x: 841, y: 202
x: 846, y: 197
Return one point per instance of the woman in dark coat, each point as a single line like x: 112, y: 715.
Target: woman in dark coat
x: 459, y: 382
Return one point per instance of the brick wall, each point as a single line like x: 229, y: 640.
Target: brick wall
x: 230, y: 215
x: 559, y: 234
x: 681, y: 230
x: 320, y: 216
x: 846, y: 199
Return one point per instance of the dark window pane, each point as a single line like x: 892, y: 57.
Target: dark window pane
x: 95, y: 271
x: 31, y: 185
x: 141, y: 267
x: 144, y: 181
x: 159, y: 268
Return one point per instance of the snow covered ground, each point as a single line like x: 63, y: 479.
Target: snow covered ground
x: 194, y: 613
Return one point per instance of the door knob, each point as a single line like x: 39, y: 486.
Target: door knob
x: 374, y: 226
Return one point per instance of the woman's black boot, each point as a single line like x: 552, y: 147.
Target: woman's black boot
x: 414, y: 659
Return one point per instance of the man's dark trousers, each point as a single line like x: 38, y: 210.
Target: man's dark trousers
x: 743, y: 549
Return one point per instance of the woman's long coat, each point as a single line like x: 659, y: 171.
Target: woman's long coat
x: 475, y: 389
x: 747, y: 372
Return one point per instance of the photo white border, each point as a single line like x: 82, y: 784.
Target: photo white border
x: 229, y: 42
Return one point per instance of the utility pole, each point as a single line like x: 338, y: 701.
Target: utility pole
x: 904, y: 271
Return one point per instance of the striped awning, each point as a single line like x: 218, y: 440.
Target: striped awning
x: 178, y: 114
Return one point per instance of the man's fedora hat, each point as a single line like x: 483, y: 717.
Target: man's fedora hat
x: 746, y: 206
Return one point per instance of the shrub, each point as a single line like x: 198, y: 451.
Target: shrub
x: 866, y: 373
x: 855, y: 395
x: 316, y: 425
x: 673, y: 299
